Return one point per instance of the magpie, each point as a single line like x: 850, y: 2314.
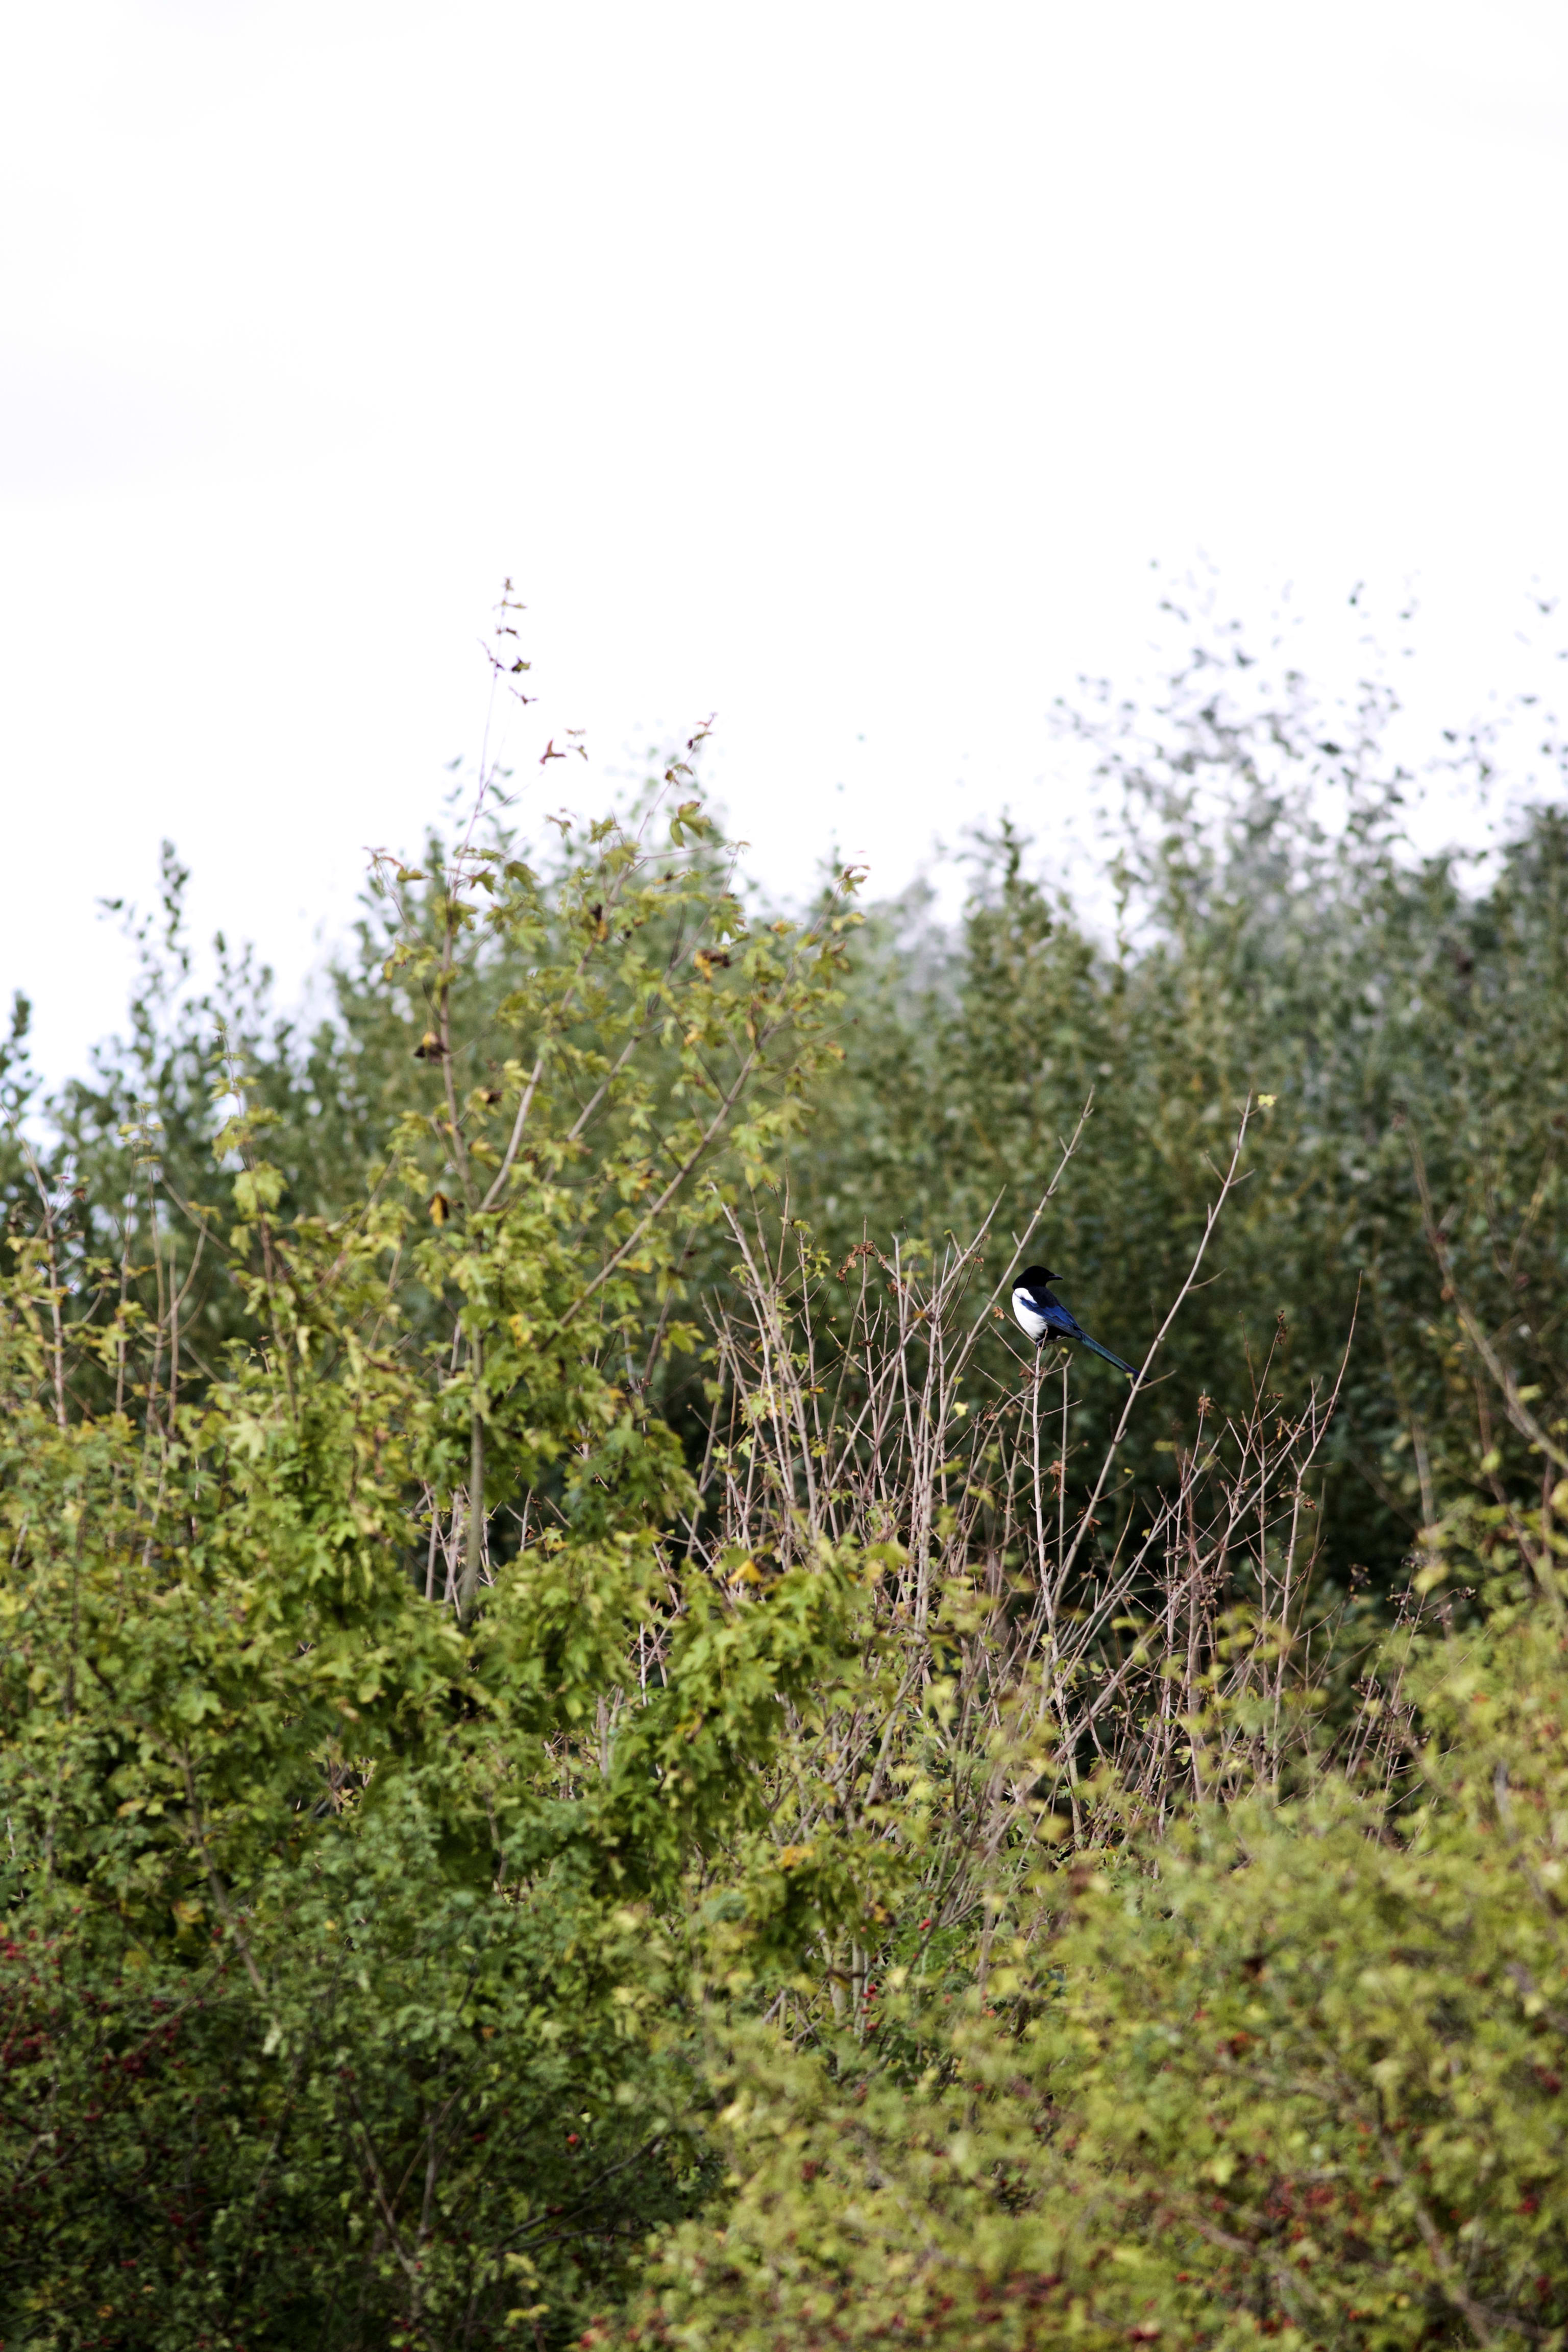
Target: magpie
x: 1045, y: 1317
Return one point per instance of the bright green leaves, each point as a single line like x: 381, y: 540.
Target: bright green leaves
x: 257, y: 1189
x: 589, y: 1122
x: 1290, y: 2074
x: 731, y: 1667
x: 688, y: 823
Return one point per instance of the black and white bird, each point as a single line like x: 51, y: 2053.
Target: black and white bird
x: 1045, y: 1317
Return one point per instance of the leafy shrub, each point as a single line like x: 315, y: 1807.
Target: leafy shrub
x: 344, y: 1900
x: 1293, y: 2072
x: 572, y: 1742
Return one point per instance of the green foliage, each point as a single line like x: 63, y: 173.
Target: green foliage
x: 1260, y: 924
x: 346, y: 1911
x: 1293, y: 2073
x: 1271, y: 932
x: 571, y: 1742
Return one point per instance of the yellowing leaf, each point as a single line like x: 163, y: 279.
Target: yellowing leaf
x: 257, y: 1189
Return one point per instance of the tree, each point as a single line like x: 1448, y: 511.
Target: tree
x: 362, y: 1715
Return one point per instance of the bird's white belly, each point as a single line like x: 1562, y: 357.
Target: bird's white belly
x: 1029, y: 1314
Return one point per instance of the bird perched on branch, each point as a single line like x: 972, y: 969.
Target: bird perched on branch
x: 1045, y: 1317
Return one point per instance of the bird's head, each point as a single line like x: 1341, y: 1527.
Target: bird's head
x: 1035, y: 1277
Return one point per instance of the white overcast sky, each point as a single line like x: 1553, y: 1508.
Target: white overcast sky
x: 837, y: 368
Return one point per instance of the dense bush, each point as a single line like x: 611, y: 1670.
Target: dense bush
x: 1260, y: 924
x: 588, y: 1743
x: 1294, y: 2073
x: 344, y: 1862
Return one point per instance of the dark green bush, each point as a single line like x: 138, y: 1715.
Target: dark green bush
x: 1264, y: 928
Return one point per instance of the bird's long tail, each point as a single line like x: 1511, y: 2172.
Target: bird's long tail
x: 1084, y: 1340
